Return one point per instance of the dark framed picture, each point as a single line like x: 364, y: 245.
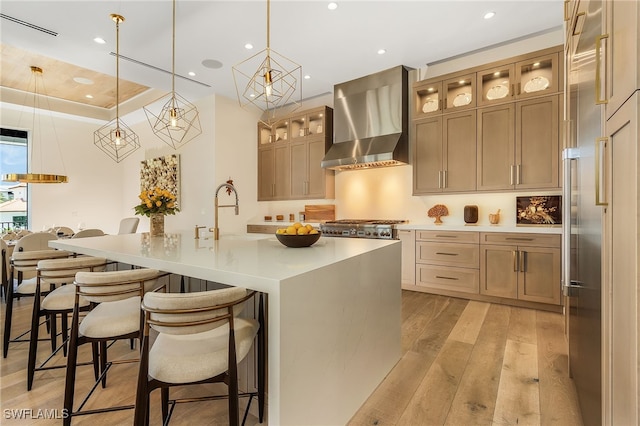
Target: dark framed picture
x: 539, y: 210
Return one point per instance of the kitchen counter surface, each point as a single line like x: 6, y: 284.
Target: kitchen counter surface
x: 326, y: 353
x: 482, y: 228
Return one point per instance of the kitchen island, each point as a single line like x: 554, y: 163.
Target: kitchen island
x: 333, y: 309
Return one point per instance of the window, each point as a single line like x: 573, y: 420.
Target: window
x: 13, y: 195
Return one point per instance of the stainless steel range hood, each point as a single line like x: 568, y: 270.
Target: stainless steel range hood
x: 370, y: 121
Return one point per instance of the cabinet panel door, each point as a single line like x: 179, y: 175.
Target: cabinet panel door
x: 459, y: 152
x: 496, y: 147
x: 622, y: 49
x: 408, y: 270
x: 537, y: 76
x: 282, y: 174
x: 499, y: 271
x: 316, y: 181
x: 447, y: 278
x: 427, y: 165
x: 266, y: 174
x: 299, y: 174
x: 539, y: 277
x: 537, y: 149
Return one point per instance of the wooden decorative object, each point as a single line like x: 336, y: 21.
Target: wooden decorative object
x: 438, y: 211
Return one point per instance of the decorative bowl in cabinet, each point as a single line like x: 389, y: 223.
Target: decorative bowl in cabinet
x: 298, y: 240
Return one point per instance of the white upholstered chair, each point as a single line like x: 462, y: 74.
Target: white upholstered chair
x: 118, y: 295
x: 128, y: 225
x: 24, y: 262
x: 201, y: 339
x: 65, y: 231
x: 61, y: 273
x: 88, y: 233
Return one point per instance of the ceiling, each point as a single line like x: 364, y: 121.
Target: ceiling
x: 332, y: 46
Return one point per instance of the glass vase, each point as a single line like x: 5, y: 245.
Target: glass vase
x: 156, y: 224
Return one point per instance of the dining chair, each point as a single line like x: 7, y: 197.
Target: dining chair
x: 88, y: 233
x: 61, y: 273
x: 64, y: 230
x: 128, y: 225
x: 24, y: 262
x: 117, y: 315
x: 5, y: 255
x: 200, y: 339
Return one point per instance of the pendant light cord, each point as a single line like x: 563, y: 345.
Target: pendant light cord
x: 173, y: 55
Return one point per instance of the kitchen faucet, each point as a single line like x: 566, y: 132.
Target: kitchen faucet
x: 215, y: 229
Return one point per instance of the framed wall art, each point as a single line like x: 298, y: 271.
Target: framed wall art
x: 539, y: 210
x: 163, y: 173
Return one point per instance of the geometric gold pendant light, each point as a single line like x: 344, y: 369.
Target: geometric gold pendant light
x: 178, y: 121
x: 269, y: 81
x: 115, y: 138
x: 37, y: 144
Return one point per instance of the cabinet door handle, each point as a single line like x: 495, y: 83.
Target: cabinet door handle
x: 599, y: 170
x: 599, y: 99
x: 523, y: 260
x: 518, y: 239
x: 446, y: 236
x: 511, y: 175
x: 518, y: 173
x: 575, y: 24
x: 446, y: 278
x: 518, y: 89
x: 447, y: 254
x: 444, y: 178
x: 514, y: 256
x: 439, y: 179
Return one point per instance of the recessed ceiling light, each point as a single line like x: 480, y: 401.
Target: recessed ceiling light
x: 212, y: 63
x: 307, y: 77
x: 489, y: 15
x: 248, y: 46
x: 536, y: 64
x: 332, y: 6
x: 461, y: 82
x: 88, y: 96
x: 431, y: 89
x: 192, y: 74
x: 381, y: 52
x: 99, y: 40
x: 497, y: 73
x: 82, y: 80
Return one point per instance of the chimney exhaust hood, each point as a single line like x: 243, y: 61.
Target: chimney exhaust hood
x: 370, y: 121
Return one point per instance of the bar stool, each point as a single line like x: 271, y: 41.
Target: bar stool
x: 60, y: 272
x: 24, y: 262
x: 200, y: 340
x: 117, y: 315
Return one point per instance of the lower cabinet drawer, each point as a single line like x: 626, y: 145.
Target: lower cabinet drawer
x: 448, y: 278
x: 462, y: 255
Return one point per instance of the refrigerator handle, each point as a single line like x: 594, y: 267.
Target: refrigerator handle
x: 600, y: 171
x: 568, y: 156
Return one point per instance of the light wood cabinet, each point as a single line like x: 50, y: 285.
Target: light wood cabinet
x: 445, y: 153
x: 453, y: 93
x: 408, y: 269
x: 274, y: 177
x: 447, y: 260
x: 521, y: 266
x: 289, y: 156
x: 619, y: 74
x: 527, y: 78
x: 518, y: 145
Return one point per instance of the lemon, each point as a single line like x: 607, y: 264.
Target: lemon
x: 297, y: 225
x: 313, y: 231
x: 303, y: 230
x: 281, y: 231
x: 309, y: 227
x: 291, y: 230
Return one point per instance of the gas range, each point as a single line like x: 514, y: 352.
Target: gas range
x: 361, y: 228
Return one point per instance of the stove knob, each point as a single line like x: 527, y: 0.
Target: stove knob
x: 375, y: 234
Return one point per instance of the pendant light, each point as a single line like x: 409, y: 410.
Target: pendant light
x: 178, y: 121
x: 269, y: 81
x: 115, y: 138
x: 36, y: 139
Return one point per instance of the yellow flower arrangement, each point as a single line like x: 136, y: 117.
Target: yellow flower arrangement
x: 156, y: 201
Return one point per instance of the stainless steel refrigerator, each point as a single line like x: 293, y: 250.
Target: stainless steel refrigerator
x: 582, y: 221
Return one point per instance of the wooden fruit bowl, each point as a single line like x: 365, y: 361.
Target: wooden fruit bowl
x: 298, y: 240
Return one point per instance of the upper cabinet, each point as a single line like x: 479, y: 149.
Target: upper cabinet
x: 520, y: 80
x: 289, y: 156
x: 490, y: 128
x: 438, y: 96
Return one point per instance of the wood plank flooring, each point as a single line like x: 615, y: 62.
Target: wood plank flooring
x: 463, y: 363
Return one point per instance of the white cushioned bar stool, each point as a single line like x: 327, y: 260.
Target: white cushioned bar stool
x: 200, y: 340
x: 24, y: 262
x: 60, y: 272
x: 117, y: 315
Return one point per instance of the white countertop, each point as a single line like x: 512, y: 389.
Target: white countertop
x: 538, y: 229
x: 255, y: 261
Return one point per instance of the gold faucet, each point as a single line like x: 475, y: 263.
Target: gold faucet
x: 215, y: 229
x: 197, y: 231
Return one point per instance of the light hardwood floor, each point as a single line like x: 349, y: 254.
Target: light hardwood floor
x: 463, y: 363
